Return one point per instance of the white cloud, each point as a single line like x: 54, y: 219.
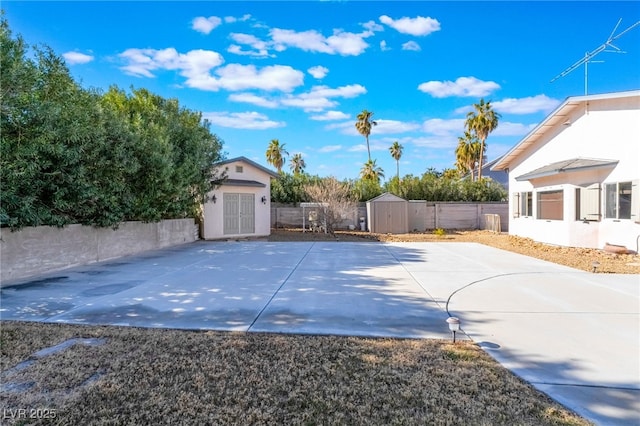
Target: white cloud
x: 384, y: 127
x: 196, y: 66
x: 371, y: 27
x: 141, y: 62
x: 418, y: 26
x: 440, y: 127
x: 240, y: 77
x: 463, y: 87
x: 383, y: 46
x: 318, y: 71
x: 411, y: 45
x: 308, y: 103
x: 345, y: 127
x: 242, y: 120
x: 259, y: 47
x: 528, y: 105
x: 205, y: 25
x: 319, y: 97
x: 330, y: 148
x: 341, y: 43
x: 232, y: 19
x: 250, y: 98
x: 393, y: 126
x: 330, y: 115
x: 73, y: 58
x: 444, y: 141
x: 506, y: 128
x: 348, y: 91
x: 463, y: 109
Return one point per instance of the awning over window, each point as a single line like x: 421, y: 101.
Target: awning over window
x: 567, y: 166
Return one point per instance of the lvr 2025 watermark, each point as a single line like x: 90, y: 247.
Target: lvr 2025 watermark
x: 28, y: 413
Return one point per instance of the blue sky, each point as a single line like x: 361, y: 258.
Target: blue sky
x: 300, y: 71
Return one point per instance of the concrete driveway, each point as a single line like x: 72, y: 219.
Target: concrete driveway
x: 572, y: 334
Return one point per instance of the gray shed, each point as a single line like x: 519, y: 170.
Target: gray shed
x: 388, y: 214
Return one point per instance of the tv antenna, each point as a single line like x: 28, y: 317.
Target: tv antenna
x: 590, y: 55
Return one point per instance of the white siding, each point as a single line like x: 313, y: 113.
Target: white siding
x: 601, y: 129
x: 214, y: 215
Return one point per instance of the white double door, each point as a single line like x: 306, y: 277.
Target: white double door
x: 239, y: 213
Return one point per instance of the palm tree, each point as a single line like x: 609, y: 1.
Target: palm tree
x: 371, y: 171
x: 396, y: 153
x: 482, y: 121
x: 275, y: 154
x: 297, y: 164
x: 467, y: 153
x: 364, y: 124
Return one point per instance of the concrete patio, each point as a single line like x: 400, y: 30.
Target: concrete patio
x: 572, y: 334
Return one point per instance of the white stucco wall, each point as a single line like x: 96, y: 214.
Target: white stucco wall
x: 606, y: 129
x: 213, y: 226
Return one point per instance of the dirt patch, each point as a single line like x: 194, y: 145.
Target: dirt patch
x: 579, y: 258
x: 159, y: 376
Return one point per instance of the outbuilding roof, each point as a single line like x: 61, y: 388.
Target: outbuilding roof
x: 242, y: 182
x: 387, y: 196
x: 251, y: 162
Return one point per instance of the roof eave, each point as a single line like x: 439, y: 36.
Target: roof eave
x: 569, y: 104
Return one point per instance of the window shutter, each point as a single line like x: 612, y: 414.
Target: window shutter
x: 515, y: 202
x: 590, y: 203
x: 635, y: 200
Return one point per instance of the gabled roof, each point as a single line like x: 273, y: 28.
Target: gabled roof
x: 567, y: 166
x: 556, y: 117
x: 387, y: 196
x: 252, y: 163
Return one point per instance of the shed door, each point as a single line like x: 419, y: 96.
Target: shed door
x: 239, y: 213
x: 247, y: 214
x: 231, y: 207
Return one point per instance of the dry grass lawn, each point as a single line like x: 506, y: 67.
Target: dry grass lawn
x: 156, y: 376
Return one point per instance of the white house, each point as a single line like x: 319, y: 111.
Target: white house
x: 574, y: 179
x: 241, y: 206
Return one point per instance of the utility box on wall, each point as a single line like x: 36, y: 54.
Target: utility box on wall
x: 388, y: 214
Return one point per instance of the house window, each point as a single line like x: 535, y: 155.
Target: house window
x: 522, y: 204
x: 238, y: 169
x: 618, y: 200
x: 550, y: 205
x: 527, y: 203
x: 588, y: 203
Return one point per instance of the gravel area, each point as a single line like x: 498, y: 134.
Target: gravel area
x: 579, y: 258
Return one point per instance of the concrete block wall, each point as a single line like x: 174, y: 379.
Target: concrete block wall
x: 37, y: 250
x: 289, y: 216
x: 423, y: 215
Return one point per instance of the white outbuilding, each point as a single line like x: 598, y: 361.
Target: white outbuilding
x: 241, y: 206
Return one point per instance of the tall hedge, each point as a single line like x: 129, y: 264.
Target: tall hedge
x: 75, y: 155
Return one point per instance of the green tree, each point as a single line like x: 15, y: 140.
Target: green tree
x: 482, y: 121
x: 371, y: 171
x: 297, y: 164
x: 396, y: 152
x: 275, y: 154
x: 71, y: 155
x: 289, y: 188
x: 365, y: 189
x: 363, y: 125
x: 467, y: 153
